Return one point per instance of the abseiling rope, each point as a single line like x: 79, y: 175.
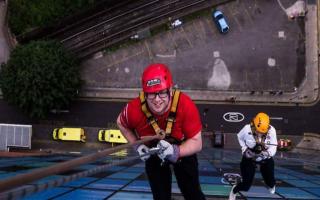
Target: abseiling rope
x: 20, y: 192
x: 23, y: 179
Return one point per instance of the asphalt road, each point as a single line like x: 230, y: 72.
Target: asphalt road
x: 287, y: 120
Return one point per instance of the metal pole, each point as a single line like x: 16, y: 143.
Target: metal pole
x: 22, y: 179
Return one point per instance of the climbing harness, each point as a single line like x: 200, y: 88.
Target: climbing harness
x: 170, y: 120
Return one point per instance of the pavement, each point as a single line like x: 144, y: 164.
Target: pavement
x: 215, y: 68
x: 104, y: 78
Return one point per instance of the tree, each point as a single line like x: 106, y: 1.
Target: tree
x: 26, y: 15
x: 40, y: 76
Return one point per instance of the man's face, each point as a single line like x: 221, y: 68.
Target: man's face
x: 259, y: 133
x: 159, y: 102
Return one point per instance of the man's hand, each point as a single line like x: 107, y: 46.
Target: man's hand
x: 170, y: 151
x: 142, y: 150
x: 262, y: 156
x: 248, y: 153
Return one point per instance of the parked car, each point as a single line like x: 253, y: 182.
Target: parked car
x: 284, y: 144
x: 220, y: 21
x: 175, y: 23
x: 69, y: 134
x: 112, y: 136
x: 134, y: 37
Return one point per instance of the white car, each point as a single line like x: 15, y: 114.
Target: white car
x: 176, y: 23
x: 220, y: 21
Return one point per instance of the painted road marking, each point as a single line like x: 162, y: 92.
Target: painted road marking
x: 233, y: 117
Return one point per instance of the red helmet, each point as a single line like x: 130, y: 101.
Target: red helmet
x: 156, y: 77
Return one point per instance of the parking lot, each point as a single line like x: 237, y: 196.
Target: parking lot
x: 263, y: 51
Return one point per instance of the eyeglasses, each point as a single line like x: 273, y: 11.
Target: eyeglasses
x: 162, y: 94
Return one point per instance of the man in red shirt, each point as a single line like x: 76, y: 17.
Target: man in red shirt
x: 181, y: 143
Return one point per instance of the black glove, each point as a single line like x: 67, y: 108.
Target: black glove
x: 258, y: 148
x: 248, y: 153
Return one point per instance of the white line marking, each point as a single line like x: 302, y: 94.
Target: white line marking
x: 168, y: 56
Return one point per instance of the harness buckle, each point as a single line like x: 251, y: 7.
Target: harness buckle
x: 171, y: 119
x: 151, y: 120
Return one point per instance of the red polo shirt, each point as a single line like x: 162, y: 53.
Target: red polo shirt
x: 187, y: 123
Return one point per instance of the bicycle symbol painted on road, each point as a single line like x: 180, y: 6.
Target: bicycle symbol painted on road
x: 233, y: 117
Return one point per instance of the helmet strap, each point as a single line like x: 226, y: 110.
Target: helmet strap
x: 170, y: 92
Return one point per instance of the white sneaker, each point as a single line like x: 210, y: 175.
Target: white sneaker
x: 232, y: 196
x: 272, y: 190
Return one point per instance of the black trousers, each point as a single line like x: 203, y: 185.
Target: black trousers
x: 186, y: 172
x: 248, y: 169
